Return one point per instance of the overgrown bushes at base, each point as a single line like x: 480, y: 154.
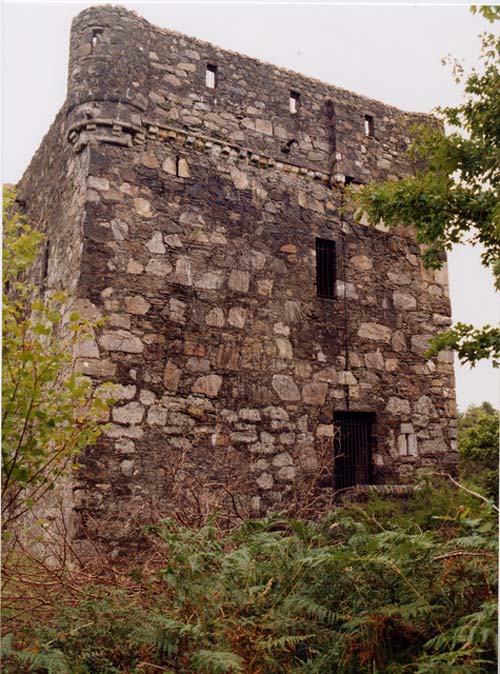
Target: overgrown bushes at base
x: 360, y: 592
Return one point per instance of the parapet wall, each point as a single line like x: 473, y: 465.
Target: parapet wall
x: 126, y: 73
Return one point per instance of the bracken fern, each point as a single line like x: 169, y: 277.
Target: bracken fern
x: 353, y: 594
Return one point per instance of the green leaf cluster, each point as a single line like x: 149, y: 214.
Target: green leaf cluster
x: 471, y: 344
x: 49, y: 411
x: 478, y: 447
x: 454, y: 197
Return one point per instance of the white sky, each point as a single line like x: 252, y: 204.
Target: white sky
x: 388, y: 52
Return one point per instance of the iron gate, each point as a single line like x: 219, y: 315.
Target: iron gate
x: 353, y: 448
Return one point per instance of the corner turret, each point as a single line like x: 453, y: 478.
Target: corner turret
x: 108, y: 68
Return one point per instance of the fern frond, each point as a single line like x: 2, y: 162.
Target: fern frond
x: 288, y: 642
x: 217, y: 662
x: 49, y: 662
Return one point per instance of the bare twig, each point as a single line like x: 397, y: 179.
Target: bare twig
x: 469, y: 491
x: 463, y: 553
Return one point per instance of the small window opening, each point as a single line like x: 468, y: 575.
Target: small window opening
x: 294, y: 102
x: 289, y: 145
x: 177, y: 162
x: 369, y: 126
x: 351, y: 180
x: 211, y: 76
x: 326, y: 268
x: 96, y: 34
x: 354, y: 443
x: 45, y: 265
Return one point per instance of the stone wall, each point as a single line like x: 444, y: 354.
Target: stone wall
x: 199, y: 221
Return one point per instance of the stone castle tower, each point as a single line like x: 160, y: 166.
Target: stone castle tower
x: 196, y: 198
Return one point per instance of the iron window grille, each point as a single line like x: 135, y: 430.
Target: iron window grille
x: 326, y: 268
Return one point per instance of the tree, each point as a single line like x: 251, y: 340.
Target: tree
x: 478, y: 447
x: 49, y: 412
x: 455, y: 197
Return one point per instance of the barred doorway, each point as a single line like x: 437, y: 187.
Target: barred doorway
x: 354, y: 442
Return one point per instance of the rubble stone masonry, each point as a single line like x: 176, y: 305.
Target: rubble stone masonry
x: 188, y: 215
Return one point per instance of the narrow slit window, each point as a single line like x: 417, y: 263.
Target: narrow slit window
x: 211, y: 76
x: 326, y: 268
x: 45, y: 265
x: 96, y: 36
x: 294, y: 102
x: 369, y: 126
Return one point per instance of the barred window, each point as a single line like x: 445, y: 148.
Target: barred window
x: 326, y: 268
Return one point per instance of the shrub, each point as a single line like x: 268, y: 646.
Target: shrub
x: 351, y: 594
x: 478, y: 447
x: 49, y: 411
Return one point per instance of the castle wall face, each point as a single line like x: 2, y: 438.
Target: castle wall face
x: 202, y: 214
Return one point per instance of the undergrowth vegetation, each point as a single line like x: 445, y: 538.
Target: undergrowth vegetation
x: 389, y: 585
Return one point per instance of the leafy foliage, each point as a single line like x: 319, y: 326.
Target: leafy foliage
x: 478, y: 447
x: 470, y: 343
x: 365, y: 591
x: 455, y: 197
x: 49, y: 412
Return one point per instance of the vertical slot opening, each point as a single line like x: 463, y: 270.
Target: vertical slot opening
x: 211, y: 76
x: 294, y: 102
x: 96, y: 35
x: 45, y: 265
x: 369, y: 126
x: 326, y: 268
